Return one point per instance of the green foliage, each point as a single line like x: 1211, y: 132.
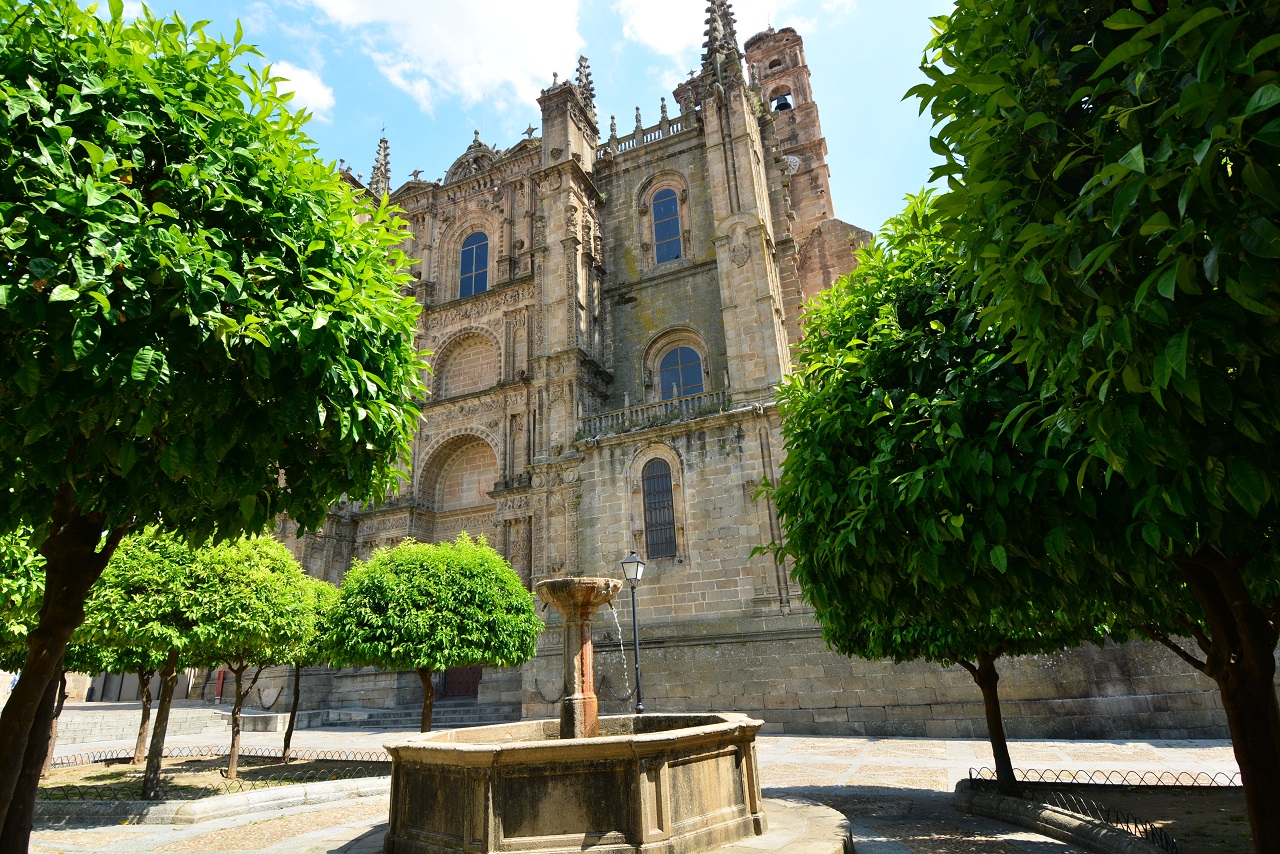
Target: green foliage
x: 248, y: 604
x: 1112, y: 172
x: 200, y: 325
x: 320, y: 598
x: 434, y: 606
x: 923, y: 520
x: 140, y: 608
x: 21, y: 591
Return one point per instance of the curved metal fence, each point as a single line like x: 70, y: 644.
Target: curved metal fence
x: 97, y: 756
x: 1040, y: 782
x: 1114, y: 778
x: 132, y: 791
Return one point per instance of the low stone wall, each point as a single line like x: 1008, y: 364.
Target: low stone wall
x: 784, y: 674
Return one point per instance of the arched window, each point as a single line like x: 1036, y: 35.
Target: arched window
x: 666, y: 226
x: 680, y: 373
x: 474, y: 265
x: 659, y: 510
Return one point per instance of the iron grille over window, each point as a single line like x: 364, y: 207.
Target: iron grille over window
x: 475, y: 265
x: 680, y: 373
x: 659, y: 510
x: 666, y: 226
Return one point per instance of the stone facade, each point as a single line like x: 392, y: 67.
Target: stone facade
x: 559, y: 429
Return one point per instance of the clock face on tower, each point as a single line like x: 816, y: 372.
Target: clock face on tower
x: 793, y: 163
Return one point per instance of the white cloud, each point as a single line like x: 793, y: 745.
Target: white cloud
x: 464, y: 50
x: 309, y: 90
x: 676, y: 28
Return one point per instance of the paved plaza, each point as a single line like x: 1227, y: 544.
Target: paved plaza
x: 896, y: 792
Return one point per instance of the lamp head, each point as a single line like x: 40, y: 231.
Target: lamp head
x: 632, y: 567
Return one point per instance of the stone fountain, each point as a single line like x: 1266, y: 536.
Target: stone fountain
x: 624, y: 784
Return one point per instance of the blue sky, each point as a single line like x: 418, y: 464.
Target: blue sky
x: 431, y: 72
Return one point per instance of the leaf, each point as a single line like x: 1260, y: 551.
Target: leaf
x: 248, y: 505
x: 1261, y: 238
x: 1196, y: 20
x: 1125, y: 19
x: 94, y: 152
x: 1126, y: 51
x: 161, y: 209
x: 1134, y: 160
x: 1176, y: 351
x: 143, y: 362
x: 117, y: 9
x: 1247, y: 485
x: 1264, y: 99
x: 999, y: 560
x: 128, y: 457
x: 63, y: 293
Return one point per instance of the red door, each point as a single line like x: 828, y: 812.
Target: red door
x: 462, y: 681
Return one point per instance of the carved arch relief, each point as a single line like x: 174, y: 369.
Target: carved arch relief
x: 469, y: 361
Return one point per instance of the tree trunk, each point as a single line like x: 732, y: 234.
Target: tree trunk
x: 61, y: 698
x: 16, y: 832
x: 293, y: 713
x: 168, y: 681
x: 1240, y: 658
x: 75, y: 554
x: 988, y: 679
x: 233, y: 758
x: 428, y: 698
x: 140, y: 746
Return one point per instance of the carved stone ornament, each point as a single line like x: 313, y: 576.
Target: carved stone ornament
x: 741, y: 252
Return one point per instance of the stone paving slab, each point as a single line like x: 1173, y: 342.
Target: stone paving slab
x: 896, y: 793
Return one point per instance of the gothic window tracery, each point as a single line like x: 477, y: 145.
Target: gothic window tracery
x: 474, y: 265
x: 666, y: 226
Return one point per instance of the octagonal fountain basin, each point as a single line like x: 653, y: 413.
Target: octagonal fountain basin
x: 670, y: 783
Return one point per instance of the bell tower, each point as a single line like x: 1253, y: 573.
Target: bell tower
x: 778, y: 69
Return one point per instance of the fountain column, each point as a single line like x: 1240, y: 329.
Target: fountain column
x: 577, y: 600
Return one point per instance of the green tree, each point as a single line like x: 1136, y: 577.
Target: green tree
x: 430, y: 607
x: 915, y: 521
x: 200, y: 326
x: 21, y: 590
x: 140, y: 611
x: 320, y: 598
x: 1112, y: 172
x: 249, y: 609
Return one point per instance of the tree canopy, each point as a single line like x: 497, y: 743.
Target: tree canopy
x: 914, y: 504
x: 200, y: 325
x: 250, y: 609
x: 1111, y: 171
x: 430, y: 607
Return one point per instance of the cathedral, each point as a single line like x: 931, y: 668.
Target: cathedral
x: 609, y: 315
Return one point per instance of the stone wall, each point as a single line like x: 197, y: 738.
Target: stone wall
x: 786, y: 676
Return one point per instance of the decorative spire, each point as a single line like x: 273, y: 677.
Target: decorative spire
x: 721, y: 54
x: 639, y: 123
x: 380, y: 177
x: 664, y: 110
x: 613, y: 127
x: 585, y: 87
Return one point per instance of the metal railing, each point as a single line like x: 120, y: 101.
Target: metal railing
x: 655, y: 414
x: 370, y: 763
x: 1039, y: 782
x: 1115, y: 778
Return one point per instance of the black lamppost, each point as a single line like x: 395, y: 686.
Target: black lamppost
x: 632, y: 570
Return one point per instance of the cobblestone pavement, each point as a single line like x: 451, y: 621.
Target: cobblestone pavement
x: 896, y: 792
